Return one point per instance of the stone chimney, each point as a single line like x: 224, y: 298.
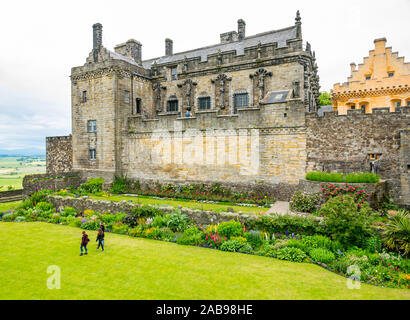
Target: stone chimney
x: 134, y: 50
x: 352, y: 67
x: 168, y: 47
x: 97, y: 35
x: 241, y: 29
x: 298, y: 25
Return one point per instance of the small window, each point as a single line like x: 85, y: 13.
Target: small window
x: 126, y: 96
x: 368, y: 77
x: 353, y: 107
x: 137, y: 105
x: 92, y: 126
x: 92, y: 154
x: 84, y: 97
x: 397, y: 104
x: 241, y: 100
x: 174, y: 74
x: 374, y: 156
x: 408, y: 103
x: 391, y: 74
x: 205, y: 103
x: 172, y: 105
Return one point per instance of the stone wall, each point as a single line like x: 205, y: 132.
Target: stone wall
x: 377, y: 191
x: 11, y: 195
x: 344, y: 143
x: 405, y: 166
x: 32, y: 183
x: 59, y: 154
x: 200, y: 218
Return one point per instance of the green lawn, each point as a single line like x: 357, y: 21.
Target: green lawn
x: 184, y: 203
x: 133, y: 268
x: 11, y: 205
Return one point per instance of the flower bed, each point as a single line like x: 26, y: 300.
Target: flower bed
x: 344, y: 239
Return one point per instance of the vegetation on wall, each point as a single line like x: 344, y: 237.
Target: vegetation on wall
x: 360, y: 177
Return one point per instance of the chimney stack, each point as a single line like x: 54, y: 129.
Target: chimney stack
x: 134, y: 50
x: 241, y: 29
x: 352, y: 67
x: 97, y: 35
x: 168, y: 47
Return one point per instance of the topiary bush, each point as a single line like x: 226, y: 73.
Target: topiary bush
x: 291, y: 254
x: 322, y: 255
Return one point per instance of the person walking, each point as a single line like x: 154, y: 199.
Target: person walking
x: 100, y: 239
x: 84, y: 242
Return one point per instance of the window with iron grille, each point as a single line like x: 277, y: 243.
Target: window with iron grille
x: 241, y: 100
x: 92, y: 125
x: 92, y: 154
x: 205, y: 103
x: 172, y: 105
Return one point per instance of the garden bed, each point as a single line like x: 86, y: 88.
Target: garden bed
x: 377, y: 191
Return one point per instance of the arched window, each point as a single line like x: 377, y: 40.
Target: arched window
x: 395, y: 104
x: 364, y: 106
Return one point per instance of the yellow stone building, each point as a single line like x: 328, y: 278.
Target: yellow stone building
x: 381, y: 81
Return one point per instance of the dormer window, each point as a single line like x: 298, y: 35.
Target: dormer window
x: 391, y: 74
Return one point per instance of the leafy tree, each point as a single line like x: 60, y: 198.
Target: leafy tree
x: 324, y: 99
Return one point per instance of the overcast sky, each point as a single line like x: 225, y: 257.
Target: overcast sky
x: 42, y: 40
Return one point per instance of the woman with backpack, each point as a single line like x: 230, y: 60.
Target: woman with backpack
x: 84, y: 242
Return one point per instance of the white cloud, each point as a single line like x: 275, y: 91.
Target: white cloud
x: 42, y: 40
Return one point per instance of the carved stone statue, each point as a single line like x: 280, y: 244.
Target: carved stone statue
x: 221, y: 80
x: 260, y: 76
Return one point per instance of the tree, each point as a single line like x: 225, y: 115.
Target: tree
x: 324, y: 99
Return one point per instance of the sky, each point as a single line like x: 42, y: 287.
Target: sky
x: 41, y: 41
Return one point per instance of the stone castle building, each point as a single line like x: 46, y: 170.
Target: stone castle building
x: 241, y: 112
x: 381, y: 81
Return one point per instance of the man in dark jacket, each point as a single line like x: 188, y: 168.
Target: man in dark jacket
x: 84, y: 242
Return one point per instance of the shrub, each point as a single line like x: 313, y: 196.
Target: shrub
x: 319, y: 241
x: 346, y: 222
x: 151, y: 233
x: 191, y: 236
x: 254, y: 238
x: 166, y: 234
x: 246, y: 248
x: 268, y: 250
x: 89, y: 224
x: 20, y: 219
x: 119, y: 185
x: 330, y: 191
x: 305, y: 202
x: 322, y: 255
x: 397, y: 233
x: 177, y: 221
x: 92, y: 185
x: 373, y: 244
x: 283, y: 224
x: 35, y: 198
x: 44, y: 206
x: 68, y: 211
x: 230, y: 229
x: 360, y: 177
x: 291, y: 254
x: 120, y: 228
x: 76, y: 222
x: 231, y: 245
x: 109, y: 219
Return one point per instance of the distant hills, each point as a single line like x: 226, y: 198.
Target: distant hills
x: 22, y: 152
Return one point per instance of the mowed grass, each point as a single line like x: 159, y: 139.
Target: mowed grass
x: 183, y: 203
x: 11, y: 205
x: 133, y: 268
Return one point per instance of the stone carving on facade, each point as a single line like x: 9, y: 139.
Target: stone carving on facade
x: 219, y: 57
x: 221, y: 90
x: 185, y: 69
x: 154, y: 69
x: 259, y: 83
x: 157, y: 88
x: 188, y: 87
x: 259, y: 50
x: 296, y: 89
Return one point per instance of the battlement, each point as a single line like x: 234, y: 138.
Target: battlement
x: 385, y: 112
